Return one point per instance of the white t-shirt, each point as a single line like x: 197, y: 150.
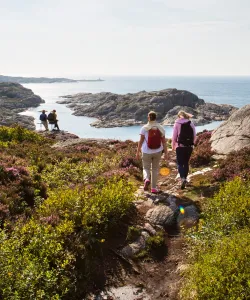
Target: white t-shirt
x: 144, y: 148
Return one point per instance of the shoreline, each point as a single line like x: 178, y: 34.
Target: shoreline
x: 122, y: 110
x: 81, y: 125
x: 117, y: 133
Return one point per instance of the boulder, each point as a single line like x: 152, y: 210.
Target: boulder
x: 233, y: 134
x: 161, y: 215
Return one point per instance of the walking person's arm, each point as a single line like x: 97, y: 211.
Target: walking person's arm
x: 194, y: 130
x: 142, y: 137
x: 174, y: 136
x: 165, y: 148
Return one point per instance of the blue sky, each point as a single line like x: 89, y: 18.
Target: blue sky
x: 132, y: 37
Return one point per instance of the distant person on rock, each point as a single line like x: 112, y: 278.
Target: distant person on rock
x: 183, y: 138
x: 152, y: 142
x: 44, y: 120
x: 52, y: 118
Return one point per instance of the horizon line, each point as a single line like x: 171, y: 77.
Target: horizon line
x: 128, y: 75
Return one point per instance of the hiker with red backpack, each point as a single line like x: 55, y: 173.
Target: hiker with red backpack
x: 183, y: 138
x: 152, y: 142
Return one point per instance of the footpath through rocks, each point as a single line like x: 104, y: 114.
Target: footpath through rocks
x: 169, y: 212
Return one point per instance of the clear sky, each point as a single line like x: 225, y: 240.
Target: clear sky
x: 124, y: 37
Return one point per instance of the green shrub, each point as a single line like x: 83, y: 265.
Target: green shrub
x: 223, y: 272
x: 66, y: 172
x: 48, y: 246
x: 219, y: 251
x: 35, y: 263
x: 90, y: 207
x: 229, y: 209
x: 18, y: 134
x: 38, y: 259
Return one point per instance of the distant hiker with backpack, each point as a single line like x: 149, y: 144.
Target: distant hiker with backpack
x: 183, y: 138
x: 44, y: 120
x: 152, y: 142
x: 52, y: 118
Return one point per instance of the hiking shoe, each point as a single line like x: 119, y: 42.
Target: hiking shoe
x: 183, y: 183
x: 146, y: 184
x: 154, y: 191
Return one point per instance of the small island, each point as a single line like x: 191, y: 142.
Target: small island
x: 43, y: 79
x: 114, y: 110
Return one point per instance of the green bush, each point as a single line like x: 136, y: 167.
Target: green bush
x: 18, y: 134
x: 51, y: 238
x: 220, y: 249
x: 38, y: 260
x: 34, y: 262
x: 66, y: 172
x: 223, y: 272
x: 90, y: 207
x: 229, y: 210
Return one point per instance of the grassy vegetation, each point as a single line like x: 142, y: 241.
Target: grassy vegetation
x: 219, y: 251
x: 57, y: 208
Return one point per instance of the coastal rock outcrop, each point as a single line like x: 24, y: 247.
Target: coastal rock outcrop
x: 14, y: 98
x: 41, y: 79
x: 113, y: 110
x: 234, y: 134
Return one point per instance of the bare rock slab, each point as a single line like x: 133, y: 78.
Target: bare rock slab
x: 234, y: 134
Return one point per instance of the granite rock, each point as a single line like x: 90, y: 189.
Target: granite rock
x: 234, y: 134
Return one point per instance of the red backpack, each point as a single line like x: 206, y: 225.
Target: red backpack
x: 154, y: 138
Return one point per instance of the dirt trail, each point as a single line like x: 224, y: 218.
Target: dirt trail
x: 160, y: 278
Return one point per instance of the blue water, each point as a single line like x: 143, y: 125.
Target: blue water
x: 220, y: 90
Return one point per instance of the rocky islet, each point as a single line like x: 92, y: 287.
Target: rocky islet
x: 114, y: 110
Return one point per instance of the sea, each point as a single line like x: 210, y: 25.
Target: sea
x: 215, y: 89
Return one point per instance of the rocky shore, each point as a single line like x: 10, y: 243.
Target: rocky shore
x: 114, y: 110
x: 14, y: 98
